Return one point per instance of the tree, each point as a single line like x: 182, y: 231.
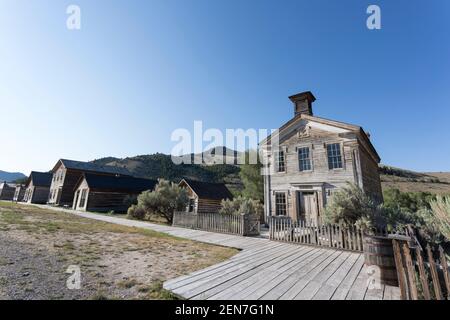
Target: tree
x: 163, y: 201
x: 251, y: 178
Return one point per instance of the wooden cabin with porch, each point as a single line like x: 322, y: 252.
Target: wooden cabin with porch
x: 19, y: 193
x: 311, y: 157
x: 103, y: 193
x: 205, y: 197
x: 7, y: 191
x: 37, y: 187
x: 66, y: 175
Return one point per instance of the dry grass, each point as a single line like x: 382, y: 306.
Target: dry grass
x: 118, y: 262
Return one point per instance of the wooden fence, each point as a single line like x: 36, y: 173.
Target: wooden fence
x: 303, y: 232
x: 244, y: 225
x: 422, y: 274
x: 316, y: 233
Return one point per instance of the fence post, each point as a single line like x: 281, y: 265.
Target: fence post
x: 411, y: 272
x: 400, y: 271
x: 423, y: 275
x: 434, y: 274
x: 444, y: 265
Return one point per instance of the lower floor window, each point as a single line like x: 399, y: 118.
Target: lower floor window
x: 280, y: 204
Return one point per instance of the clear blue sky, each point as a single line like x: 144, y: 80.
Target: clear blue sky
x: 137, y: 70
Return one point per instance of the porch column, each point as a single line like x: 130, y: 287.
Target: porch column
x: 293, y: 209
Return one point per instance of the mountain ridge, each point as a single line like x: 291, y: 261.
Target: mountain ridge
x: 11, y: 176
x: 160, y: 165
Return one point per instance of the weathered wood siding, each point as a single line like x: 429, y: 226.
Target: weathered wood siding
x: 320, y: 173
x: 40, y: 195
x: 107, y: 201
x: 208, y: 205
x: 358, y: 167
x: 370, y: 176
x: 7, y: 192
x: 19, y: 193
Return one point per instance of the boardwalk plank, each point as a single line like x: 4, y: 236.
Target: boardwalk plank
x: 345, y: 286
x: 327, y: 290
x: 316, y: 282
x: 306, y: 278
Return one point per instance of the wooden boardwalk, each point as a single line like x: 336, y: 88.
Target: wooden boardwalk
x: 266, y: 269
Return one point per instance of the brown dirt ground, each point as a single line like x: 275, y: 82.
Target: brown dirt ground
x: 116, y: 262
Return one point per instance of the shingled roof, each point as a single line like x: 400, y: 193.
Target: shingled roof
x: 98, y: 182
x: 208, y: 190
x: 92, y: 167
x: 40, y: 179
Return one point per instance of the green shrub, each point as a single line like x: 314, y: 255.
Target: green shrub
x: 241, y: 205
x: 441, y: 213
x: 164, y: 200
x: 136, y: 212
x: 351, y: 206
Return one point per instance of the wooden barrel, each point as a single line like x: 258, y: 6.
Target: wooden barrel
x: 379, y: 252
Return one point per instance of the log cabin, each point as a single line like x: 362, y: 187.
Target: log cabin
x: 19, y: 193
x: 67, y: 173
x: 205, y: 197
x: 7, y: 191
x: 102, y: 193
x: 37, y: 187
x: 311, y: 158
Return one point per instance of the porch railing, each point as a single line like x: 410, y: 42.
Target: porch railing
x: 244, y: 225
x: 423, y: 273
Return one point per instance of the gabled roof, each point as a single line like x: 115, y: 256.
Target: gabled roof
x: 347, y: 126
x: 100, y: 182
x: 40, y: 179
x: 208, y: 190
x: 91, y: 167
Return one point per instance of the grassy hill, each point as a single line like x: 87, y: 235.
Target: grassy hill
x: 410, y: 181
x: 161, y: 166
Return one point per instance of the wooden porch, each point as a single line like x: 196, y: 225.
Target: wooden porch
x: 271, y: 271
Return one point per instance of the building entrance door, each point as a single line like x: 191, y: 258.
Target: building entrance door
x: 309, y: 207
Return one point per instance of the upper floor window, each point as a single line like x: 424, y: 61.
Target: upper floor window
x: 334, y: 156
x: 281, y: 161
x: 304, y: 159
x: 280, y: 204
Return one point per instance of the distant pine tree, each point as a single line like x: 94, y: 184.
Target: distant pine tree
x: 252, y: 179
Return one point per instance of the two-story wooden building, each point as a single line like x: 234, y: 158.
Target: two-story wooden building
x: 19, y: 193
x: 37, y: 187
x: 104, y: 193
x: 67, y: 173
x: 310, y: 157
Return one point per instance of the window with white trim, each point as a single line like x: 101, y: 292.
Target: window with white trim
x: 280, y: 204
x: 334, y: 156
x: 281, y: 161
x: 304, y: 159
